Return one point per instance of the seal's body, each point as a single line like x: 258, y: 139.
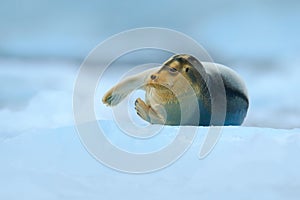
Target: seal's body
x: 186, y: 92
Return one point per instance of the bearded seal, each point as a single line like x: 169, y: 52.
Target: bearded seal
x: 170, y: 88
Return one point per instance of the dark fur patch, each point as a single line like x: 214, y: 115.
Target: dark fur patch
x: 193, y: 77
x: 232, y: 92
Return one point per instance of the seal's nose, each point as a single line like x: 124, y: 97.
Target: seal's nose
x: 153, y: 77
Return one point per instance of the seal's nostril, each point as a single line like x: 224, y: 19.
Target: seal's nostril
x: 153, y: 77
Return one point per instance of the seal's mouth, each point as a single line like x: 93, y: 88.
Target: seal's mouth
x: 159, y: 86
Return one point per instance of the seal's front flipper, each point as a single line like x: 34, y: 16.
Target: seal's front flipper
x: 116, y: 94
x: 113, y: 97
x: 147, y: 113
x: 142, y: 109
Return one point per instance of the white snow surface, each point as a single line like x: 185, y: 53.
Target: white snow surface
x: 247, y: 163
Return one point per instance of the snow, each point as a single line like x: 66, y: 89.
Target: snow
x: 35, y: 94
x: 247, y: 163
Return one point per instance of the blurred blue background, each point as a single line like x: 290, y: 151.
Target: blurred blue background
x: 265, y: 30
x: 42, y: 44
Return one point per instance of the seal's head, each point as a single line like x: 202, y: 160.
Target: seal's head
x: 176, y: 73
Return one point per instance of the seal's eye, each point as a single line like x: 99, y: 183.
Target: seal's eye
x: 172, y: 69
x: 187, y: 69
